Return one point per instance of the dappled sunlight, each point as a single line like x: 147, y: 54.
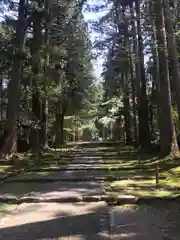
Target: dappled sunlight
x: 86, y: 158
x: 32, y: 213
x: 175, y: 170
x: 52, y: 189
x: 4, y: 167
x: 90, y: 119
x: 44, y: 173
x: 141, y: 177
x: 144, y: 188
x: 73, y: 237
x: 80, y: 219
x: 80, y: 208
x: 6, y: 208
x: 159, y: 220
x: 64, y: 220
x: 152, y: 192
x: 125, y: 236
x: 130, y: 182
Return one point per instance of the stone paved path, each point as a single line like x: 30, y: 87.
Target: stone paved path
x: 84, y: 221
x: 59, y: 221
x: 159, y: 222
x: 56, y: 221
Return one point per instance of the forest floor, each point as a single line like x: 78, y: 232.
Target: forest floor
x: 89, y: 170
x: 140, y: 171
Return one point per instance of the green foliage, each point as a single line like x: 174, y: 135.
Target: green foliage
x: 62, y: 51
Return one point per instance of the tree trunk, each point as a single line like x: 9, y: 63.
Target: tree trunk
x: 151, y: 108
x: 133, y: 88
x: 144, y: 133
x: 59, y: 125
x: 1, y: 96
x: 44, y: 120
x: 137, y: 70
x: 126, y: 111
x: 77, y: 129
x: 168, y: 141
x: 116, y: 129
x: 172, y: 53
x: 10, y: 134
x: 120, y: 14
x: 1, y: 106
x: 156, y: 76
x: 36, y: 129
x: 36, y: 101
x: 44, y: 124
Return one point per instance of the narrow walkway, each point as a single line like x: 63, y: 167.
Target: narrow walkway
x: 53, y: 220
x: 83, y: 221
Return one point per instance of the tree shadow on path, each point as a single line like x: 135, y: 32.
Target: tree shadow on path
x: 67, y: 222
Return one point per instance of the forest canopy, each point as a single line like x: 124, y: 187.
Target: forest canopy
x: 50, y: 94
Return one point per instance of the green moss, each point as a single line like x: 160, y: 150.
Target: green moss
x: 145, y: 165
x: 6, y: 209
x: 129, y: 206
x: 156, y: 193
x: 5, y: 168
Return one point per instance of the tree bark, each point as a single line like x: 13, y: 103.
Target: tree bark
x: 44, y: 124
x: 137, y: 71
x: 156, y: 76
x: 172, y: 53
x: 133, y: 88
x: 126, y: 111
x: 120, y: 14
x: 1, y: 96
x: 151, y: 108
x: 168, y: 141
x: 59, y: 125
x: 44, y: 119
x: 144, y: 133
x: 36, y: 130
x: 35, y: 137
x: 10, y: 134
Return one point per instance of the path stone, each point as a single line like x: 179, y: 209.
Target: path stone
x: 52, y: 220
x: 145, y: 222
x: 84, y: 221
x: 56, y: 189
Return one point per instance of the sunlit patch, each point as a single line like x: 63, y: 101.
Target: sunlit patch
x: 70, y: 237
x: 127, y: 235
